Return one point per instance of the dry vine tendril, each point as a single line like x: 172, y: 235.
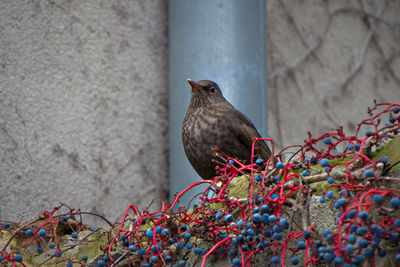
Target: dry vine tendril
x: 273, y: 220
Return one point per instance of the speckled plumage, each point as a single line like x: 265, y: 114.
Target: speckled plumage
x: 211, y: 121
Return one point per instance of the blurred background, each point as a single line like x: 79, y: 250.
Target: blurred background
x: 93, y: 93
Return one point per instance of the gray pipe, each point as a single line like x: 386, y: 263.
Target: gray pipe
x: 219, y: 40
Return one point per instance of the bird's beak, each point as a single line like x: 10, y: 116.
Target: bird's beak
x: 195, y: 86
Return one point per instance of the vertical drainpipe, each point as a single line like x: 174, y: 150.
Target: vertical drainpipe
x: 219, y: 40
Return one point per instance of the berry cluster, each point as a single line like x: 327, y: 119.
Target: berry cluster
x: 258, y: 210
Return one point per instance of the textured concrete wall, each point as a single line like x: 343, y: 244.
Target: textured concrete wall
x: 83, y: 105
x: 327, y: 63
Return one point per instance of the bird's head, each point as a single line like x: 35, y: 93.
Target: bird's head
x: 205, y: 92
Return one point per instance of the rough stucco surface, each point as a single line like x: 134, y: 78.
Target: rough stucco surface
x: 306, y: 91
x: 83, y: 105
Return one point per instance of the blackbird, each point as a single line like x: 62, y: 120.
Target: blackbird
x: 211, y: 122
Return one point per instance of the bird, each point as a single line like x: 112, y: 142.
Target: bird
x: 212, y: 122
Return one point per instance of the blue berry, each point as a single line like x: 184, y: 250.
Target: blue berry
x: 165, y: 232
x: 381, y: 253
x: 276, y: 229
x: 283, y: 223
x: 341, y: 202
x: 327, y: 140
x: 69, y: 264
x: 245, y: 247
x: 132, y: 248
x: 394, y: 237
x: 93, y: 228
x: 306, y: 172
x: 141, y: 251
x: 258, y: 177
x: 368, y: 133
x: 84, y: 257
x: 101, y: 263
x: 350, y: 147
x: 264, y: 208
x: 74, y: 235
x: 349, y: 249
x: 363, y: 243
x: 279, y: 165
x: 259, y: 161
x: 329, y: 257
x: 18, y: 258
x: 52, y: 245
x: 183, y: 227
x: 277, y: 236
x: 272, y: 218
x: 235, y: 261
x: 149, y: 233
x: 234, y: 241
x: 351, y: 214
x: 351, y: 239
x: 395, y: 109
x: 338, y: 260
x: 306, y: 234
x: 322, y: 200
x: 357, y: 147
x: 256, y: 218
x: 39, y: 250
x: 57, y: 253
x: 187, y: 235
x: 329, y: 238
x: 158, y: 229
x: 189, y: 245
x: 28, y: 232
x: 359, y: 259
x: 274, y: 196
x: 168, y: 259
x: 182, y: 263
x: 369, y: 173
x: 294, y: 260
x: 42, y: 232
x: 64, y: 218
x: 326, y: 232
x: 392, y: 119
x: 276, y: 180
x: 369, y: 253
x: 361, y: 231
x: 330, y: 180
x: 197, y: 250
x: 229, y: 218
x: 275, y: 260
x: 301, y: 245
x: 324, y: 162
x: 264, y: 218
x: 218, y: 215
x: 397, y: 222
x: 240, y: 223
x: 363, y: 215
x: 384, y: 159
x: 329, y: 194
x: 397, y: 257
x: 154, y: 258
x: 378, y: 199
x: 6, y: 225
x: 395, y: 203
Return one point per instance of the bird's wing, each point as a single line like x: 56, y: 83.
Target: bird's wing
x: 246, y: 128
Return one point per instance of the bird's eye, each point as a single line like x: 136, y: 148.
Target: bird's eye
x: 211, y: 89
